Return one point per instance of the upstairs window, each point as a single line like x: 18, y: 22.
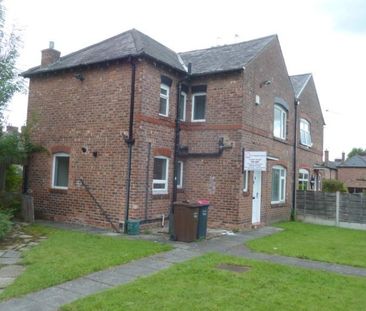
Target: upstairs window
x: 180, y: 174
x: 278, y: 184
x: 279, y: 122
x: 303, y: 179
x: 245, y: 181
x: 160, y: 177
x: 199, y: 107
x: 305, y: 137
x: 60, y: 171
x: 164, y: 100
x: 182, y: 106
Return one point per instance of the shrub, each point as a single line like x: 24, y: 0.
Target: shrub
x: 14, y: 178
x: 10, y: 203
x: 332, y: 185
x: 5, y: 224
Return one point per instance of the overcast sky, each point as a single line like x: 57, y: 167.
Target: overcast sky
x: 324, y: 37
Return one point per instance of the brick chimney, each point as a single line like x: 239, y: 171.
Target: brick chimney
x: 50, y: 55
x: 343, y: 156
x: 326, y: 156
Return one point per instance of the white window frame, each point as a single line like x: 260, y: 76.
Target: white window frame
x: 180, y: 180
x: 161, y: 181
x: 282, y: 186
x: 193, y: 106
x: 59, y: 155
x: 167, y: 88
x: 305, y: 133
x: 245, y: 181
x: 302, y: 179
x: 184, y: 95
x: 283, y: 121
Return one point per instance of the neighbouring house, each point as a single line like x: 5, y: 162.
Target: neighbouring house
x: 142, y: 126
x: 310, y: 133
x: 352, y: 173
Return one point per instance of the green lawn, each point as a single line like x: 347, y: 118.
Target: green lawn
x: 199, y: 285
x: 323, y: 243
x: 66, y: 255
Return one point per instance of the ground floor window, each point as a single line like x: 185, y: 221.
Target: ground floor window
x: 160, y: 177
x: 60, y: 171
x: 278, y: 184
x: 303, y: 179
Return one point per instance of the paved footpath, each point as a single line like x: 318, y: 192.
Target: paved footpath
x: 52, y: 298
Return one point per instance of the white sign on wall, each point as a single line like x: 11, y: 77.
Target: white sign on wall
x: 255, y: 160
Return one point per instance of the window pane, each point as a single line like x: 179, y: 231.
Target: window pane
x: 282, y: 197
x: 199, y: 107
x: 158, y: 186
x: 61, y: 171
x: 179, y: 175
x: 275, y: 185
x: 163, y: 91
x: 163, y: 106
x: 277, y: 123
x: 159, y: 169
x: 182, y: 106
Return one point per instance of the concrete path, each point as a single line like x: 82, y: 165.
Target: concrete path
x: 52, y: 298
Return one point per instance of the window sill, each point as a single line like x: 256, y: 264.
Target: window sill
x: 160, y: 196
x: 305, y: 147
x: 197, y: 121
x: 163, y: 115
x: 55, y: 190
x: 280, y: 140
x: 278, y: 205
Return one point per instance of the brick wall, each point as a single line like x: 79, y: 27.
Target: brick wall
x: 352, y: 177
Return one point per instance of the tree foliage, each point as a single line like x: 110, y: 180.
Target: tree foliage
x: 10, y: 82
x: 333, y: 185
x: 356, y: 151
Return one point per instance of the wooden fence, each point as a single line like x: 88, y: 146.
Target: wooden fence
x: 340, y: 209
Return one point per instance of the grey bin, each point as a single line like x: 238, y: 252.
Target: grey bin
x: 202, y: 221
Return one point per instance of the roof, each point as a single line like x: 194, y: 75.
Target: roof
x: 129, y: 43
x: 299, y: 82
x: 355, y: 161
x: 133, y: 43
x: 225, y: 58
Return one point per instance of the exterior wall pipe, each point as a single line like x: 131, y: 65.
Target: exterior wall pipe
x: 294, y: 163
x: 130, y: 142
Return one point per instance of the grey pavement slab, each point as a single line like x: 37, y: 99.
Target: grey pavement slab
x: 112, y: 277
x: 84, y: 286
x: 4, y: 282
x: 11, y: 254
x: 175, y: 256
x: 9, y: 260
x: 11, y: 271
x: 54, y: 296
x: 24, y: 304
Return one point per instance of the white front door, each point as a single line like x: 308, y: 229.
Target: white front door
x: 256, y: 203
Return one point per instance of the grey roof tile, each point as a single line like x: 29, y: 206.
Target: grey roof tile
x: 226, y: 57
x: 355, y: 161
x: 299, y: 82
x: 129, y: 43
x: 135, y: 43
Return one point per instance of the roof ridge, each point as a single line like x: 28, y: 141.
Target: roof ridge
x: 225, y: 45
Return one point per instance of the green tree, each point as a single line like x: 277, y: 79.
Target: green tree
x: 10, y: 82
x: 356, y: 151
x: 333, y: 185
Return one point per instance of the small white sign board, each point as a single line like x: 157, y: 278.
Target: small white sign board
x: 255, y: 161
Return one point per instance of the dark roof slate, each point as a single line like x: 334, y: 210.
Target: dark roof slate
x: 299, y: 82
x: 225, y: 58
x: 129, y: 43
x: 135, y: 43
x: 355, y: 161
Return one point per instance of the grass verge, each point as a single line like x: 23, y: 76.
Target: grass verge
x: 66, y: 255
x: 199, y: 285
x: 322, y: 243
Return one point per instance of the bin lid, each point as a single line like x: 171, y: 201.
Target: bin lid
x: 203, y: 202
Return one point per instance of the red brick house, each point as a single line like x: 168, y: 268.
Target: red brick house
x: 352, y: 172
x: 144, y: 126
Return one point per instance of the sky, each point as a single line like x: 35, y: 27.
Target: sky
x: 324, y: 37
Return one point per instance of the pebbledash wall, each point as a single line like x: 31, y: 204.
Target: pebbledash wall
x: 88, y: 119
